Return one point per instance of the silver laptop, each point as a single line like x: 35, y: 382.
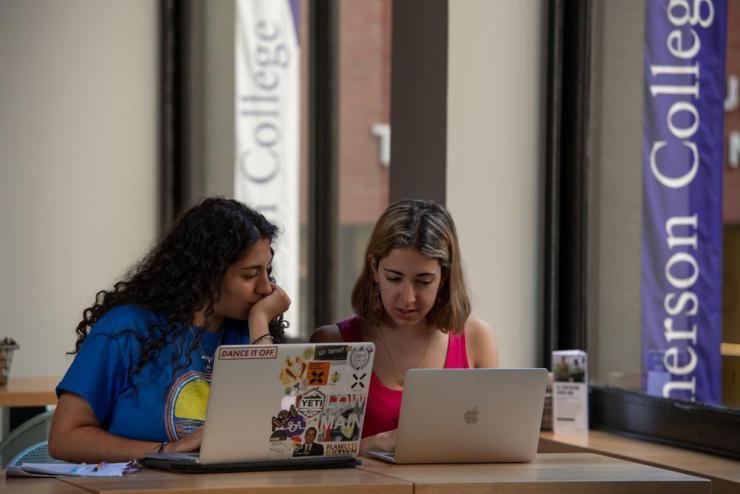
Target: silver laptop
x: 282, y: 406
x: 469, y: 416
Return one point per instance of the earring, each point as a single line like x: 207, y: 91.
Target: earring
x: 376, y: 305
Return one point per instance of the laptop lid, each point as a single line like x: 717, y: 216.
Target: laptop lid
x: 291, y: 401
x: 470, y: 415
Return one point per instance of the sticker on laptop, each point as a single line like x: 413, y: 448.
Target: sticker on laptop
x: 309, y: 446
x: 294, y: 371
x: 290, y: 421
x: 358, y: 379
x: 334, y: 379
x: 340, y: 420
x: 283, y: 416
x: 293, y: 428
x: 359, y: 356
x: 331, y: 352
x: 318, y: 373
x: 343, y: 401
x: 282, y: 448
x: 312, y: 403
x: 248, y: 352
x: 342, y: 449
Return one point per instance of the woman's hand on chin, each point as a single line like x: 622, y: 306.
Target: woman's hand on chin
x: 266, y: 310
x: 385, y: 441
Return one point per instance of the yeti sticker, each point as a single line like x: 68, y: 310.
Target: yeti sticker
x: 311, y: 403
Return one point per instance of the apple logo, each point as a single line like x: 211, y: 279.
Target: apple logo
x: 471, y: 416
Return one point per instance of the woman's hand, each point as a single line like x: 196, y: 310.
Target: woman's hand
x: 385, y: 441
x: 186, y: 444
x: 267, y: 309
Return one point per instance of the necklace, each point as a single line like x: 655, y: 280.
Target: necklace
x: 208, y: 359
x: 399, y: 380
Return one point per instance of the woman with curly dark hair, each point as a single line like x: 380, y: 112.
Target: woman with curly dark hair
x: 140, y: 380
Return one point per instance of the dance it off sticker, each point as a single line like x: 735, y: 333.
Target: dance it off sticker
x: 247, y: 352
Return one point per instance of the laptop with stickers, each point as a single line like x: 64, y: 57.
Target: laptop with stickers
x: 469, y: 416
x: 281, y: 407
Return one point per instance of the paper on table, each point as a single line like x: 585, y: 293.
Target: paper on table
x: 72, y: 469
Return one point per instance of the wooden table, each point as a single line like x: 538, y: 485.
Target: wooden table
x: 337, y: 481
x: 551, y: 473
x: 38, y: 486
x: 571, y: 473
x: 723, y: 472
x: 29, y: 391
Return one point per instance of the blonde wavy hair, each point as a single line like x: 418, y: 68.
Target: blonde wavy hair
x: 427, y: 227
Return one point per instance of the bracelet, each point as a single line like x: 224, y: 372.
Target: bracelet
x: 162, y: 445
x: 266, y: 335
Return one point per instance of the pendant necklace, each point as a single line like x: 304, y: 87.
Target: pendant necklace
x: 208, y: 359
x: 400, y: 379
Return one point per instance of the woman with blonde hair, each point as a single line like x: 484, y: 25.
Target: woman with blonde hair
x: 411, y: 300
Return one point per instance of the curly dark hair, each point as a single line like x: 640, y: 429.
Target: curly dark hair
x: 182, y: 274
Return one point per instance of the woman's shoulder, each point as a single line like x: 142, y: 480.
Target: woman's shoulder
x: 481, y: 343
x: 345, y: 330
x: 327, y: 334
x: 477, y: 328
x: 125, y: 318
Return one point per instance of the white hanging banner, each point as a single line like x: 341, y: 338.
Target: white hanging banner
x: 267, y: 112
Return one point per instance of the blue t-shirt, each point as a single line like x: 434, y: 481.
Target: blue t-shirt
x: 160, y: 406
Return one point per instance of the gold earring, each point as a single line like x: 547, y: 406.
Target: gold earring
x: 376, y: 306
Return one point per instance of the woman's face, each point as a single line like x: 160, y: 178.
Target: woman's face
x: 245, y: 283
x: 408, y: 283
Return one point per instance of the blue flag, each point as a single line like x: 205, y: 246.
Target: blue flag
x: 682, y: 193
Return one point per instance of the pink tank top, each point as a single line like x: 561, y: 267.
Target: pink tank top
x: 384, y: 404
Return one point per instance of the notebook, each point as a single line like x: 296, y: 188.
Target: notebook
x: 469, y: 416
x: 281, y: 407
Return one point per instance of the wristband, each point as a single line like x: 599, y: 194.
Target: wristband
x: 266, y: 335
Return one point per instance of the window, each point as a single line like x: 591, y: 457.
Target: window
x: 631, y: 274
x: 364, y: 135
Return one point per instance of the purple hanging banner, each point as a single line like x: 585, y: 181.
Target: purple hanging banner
x: 682, y: 194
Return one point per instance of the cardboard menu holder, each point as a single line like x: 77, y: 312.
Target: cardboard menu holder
x: 570, y: 392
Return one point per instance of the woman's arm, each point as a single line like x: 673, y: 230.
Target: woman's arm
x: 480, y: 344
x: 76, y: 436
